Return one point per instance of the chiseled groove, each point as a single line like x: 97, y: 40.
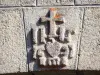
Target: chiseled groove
x: 80, y: 38
x: 36, y: 2
x: 76, y: 5
x: 74, y: 2
x: 27, y: 64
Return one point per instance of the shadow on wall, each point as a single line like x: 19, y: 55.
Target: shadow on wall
x: 29, y: 40
x: 29, y: 47
x: 18, y: 74
x: 58, y: 73
x: 30, y: 52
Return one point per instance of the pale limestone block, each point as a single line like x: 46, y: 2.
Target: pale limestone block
x: 17, y: 2
x: 10, y: 3
x: 54, y: 2
x: 87, y: 2
x: 13, y: 56
x: 28, y: 2
x: 51, y: 50
x: 89, y: 58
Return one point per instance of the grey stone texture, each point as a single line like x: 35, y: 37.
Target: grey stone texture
x: 54, y: 2
x: 13, y: 56
x: 73, y: 20
x: 90, y: 41
x: 20, y: 21
x: 28, y: 3
x: 17, y: 2
x: 87, y: 2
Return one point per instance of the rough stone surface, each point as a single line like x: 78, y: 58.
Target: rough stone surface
x: 54, y: 2
x: 13, y: 56
x: 28, y: 2
x: 90, y: 42
x: 9, y: 2
x: 32, y: 16
x: 82, y: 2
x: 17, y: 2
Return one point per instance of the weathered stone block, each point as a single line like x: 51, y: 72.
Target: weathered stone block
x: 82, y: 2
x: 9, y: 2
x: 13, y: 55
x: 52, y: 37
x: 54, y: 2
x: 90, y: 42
x: 17, y: 2
x: 28, y: 2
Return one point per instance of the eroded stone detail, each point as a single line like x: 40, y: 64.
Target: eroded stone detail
x: 55, y: 46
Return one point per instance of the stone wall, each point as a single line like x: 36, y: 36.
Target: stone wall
x: 33, y: 35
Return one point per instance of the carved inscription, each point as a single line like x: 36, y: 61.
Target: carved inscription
x: 54, y: 47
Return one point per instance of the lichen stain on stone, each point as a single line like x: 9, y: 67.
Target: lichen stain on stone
x: 53, y: 9
x: 57, y: 16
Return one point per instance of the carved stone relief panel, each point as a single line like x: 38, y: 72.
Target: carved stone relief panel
x: 53, y: 37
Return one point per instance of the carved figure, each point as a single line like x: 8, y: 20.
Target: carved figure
x: 42, y: 57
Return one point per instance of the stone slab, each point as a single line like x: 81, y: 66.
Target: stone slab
x: 13, y: 56
x: 87, y: 2
x: 17, y: 2
x: 54, y: 2
x: 55, y: 73
x: 28, y: 2
x: 90, y: 42
x: 73, y: 20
